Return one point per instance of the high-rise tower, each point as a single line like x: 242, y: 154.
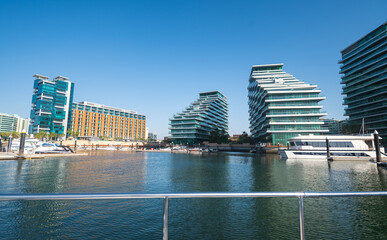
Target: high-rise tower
x: 51, y: 104
x: 280, y: 106
x: 364, y: 79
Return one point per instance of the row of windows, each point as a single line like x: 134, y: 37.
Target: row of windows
x: 107, y: 112
x: 348, y: 154
x: 323, y: 144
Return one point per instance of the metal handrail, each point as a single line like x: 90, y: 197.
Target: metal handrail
x: 167, y: 196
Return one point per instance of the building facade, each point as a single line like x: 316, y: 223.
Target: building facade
x: 22, y: 124
x: 12, y: 123
x: 51, y: 104
x: 195, y: 123
x: 281, y: 106
x: 364, y: 78
x: 96, y: 120
x: 152, y: 136
x: 333, y: 125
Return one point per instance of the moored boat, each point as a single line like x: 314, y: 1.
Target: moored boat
x: 341, y: 147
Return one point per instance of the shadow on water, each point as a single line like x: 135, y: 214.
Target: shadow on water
x: 240, y: 218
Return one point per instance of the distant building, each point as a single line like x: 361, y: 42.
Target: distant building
x: 51, y: 104
x: 146, y: 133
x: 22, y: 125
x: 280, y: 106
x: 194, y: 124
x: 10, y: 123
x: 235, y: 137
x: 364, y: 80
x: 95, y: 120
x: 152, y: 136
x: 333, y: 125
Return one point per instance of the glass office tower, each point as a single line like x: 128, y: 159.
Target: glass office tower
x: 51, y: 104
x: 280, y: 106
x: 196, y: 122
x: 364, y: 79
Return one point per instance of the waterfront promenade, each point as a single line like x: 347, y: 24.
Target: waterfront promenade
x: 152, y: 172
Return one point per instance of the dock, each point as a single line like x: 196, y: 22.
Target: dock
x: 13, y: 156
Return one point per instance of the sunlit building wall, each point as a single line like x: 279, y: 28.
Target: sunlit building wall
x: 95, y: 120
x: 195, y: 123
x: 51, y: 104
x: 281, y: 106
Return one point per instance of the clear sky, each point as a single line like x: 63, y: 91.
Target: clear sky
x: 154, y: 57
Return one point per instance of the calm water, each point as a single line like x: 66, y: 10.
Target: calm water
x: 325, y: 218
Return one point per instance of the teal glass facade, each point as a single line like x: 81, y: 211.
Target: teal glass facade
x: 280, y: 106
x: 196, y: 122
x: 51, y: 105
x: 364, y: 78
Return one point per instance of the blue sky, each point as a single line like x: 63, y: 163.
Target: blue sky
x: 154, y: 57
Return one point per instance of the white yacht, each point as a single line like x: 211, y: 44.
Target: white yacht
x: 34, y: 146
x: 342, y: 147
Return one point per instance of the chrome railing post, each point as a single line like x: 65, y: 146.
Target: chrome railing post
x: 165, y: 219
x: 301, y: 216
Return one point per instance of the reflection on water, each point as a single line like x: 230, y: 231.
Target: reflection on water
x: 265, y: 218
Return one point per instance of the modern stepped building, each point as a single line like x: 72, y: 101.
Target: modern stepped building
x: 51, y: 104
x: 195, y: 123
x: 364, y: 69
x: 280, y: 106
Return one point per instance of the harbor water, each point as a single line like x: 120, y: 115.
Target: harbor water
x: 148, y: 172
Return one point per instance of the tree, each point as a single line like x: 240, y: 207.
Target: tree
x: 76, y: 134
x: 15, y: 134
x: 5, y: 134
x: 41, y: 134
x: 245, y: 138
x: 218, y: 137
x: 69, y: 132
x: 351, y: 128
x: 53, y: 136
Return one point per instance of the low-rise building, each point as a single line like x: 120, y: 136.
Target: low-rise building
x: 96, y: 120
x: 11, y: 123
x: 333, y: 125
x: 152, y: 136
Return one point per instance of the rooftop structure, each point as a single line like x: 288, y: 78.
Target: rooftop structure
x: 195, y: 123
x: 281, y: 106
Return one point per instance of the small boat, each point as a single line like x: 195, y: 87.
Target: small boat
x: 46, y: 147
x: 341, y: 147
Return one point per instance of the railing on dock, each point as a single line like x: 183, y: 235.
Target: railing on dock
x: 167, y: 196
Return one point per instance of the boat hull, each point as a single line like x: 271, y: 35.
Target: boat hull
x: 361, y: 155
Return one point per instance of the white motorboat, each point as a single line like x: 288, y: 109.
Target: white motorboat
x: 29, y: 145
x: 341, y: 147
x: 46, y: 147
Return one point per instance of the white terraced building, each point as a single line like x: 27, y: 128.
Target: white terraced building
x: 195, y: 123
x: 281, y: 106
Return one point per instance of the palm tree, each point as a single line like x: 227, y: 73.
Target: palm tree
x: 41, y: 134
x: 69, y: 132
